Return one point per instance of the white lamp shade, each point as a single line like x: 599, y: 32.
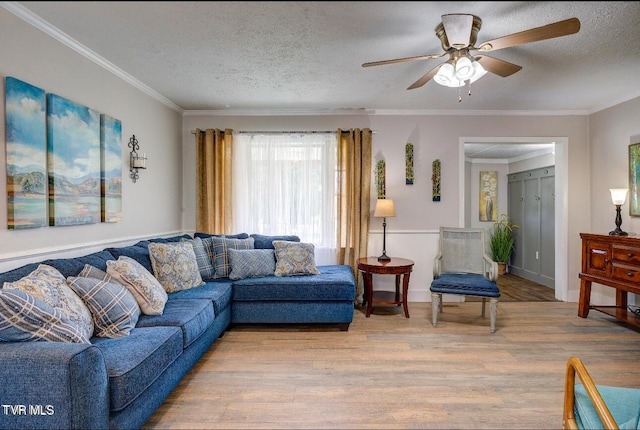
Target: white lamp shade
x: 464, y: 68
x: 384, y: 209
x: 618, y: 195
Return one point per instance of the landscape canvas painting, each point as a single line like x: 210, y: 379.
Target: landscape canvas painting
x: 111, y: 168
x: 26, y: 147
x: 73, y: 142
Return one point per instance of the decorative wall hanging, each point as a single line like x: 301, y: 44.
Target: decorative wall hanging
x: 25, y: 120
x: 73, y: 142
x: 488, y: 201
x: 435, y: 178
x: 380, y: 179
x: 111, y: 168
x: 408, y: 163
x: 634, y: 179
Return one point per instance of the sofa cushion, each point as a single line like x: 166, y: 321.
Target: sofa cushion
x: 171, y: 239
x: 248, y: 263
x: 149, y: 294
x: 230, y: 236
x: 205, y: 266
x: 175, y: 266
x: 336, y: 282
x: 219, y: 291
x: 73, y: 266
x: 294, y: 258
x: 193, y: 317
x: 25, y: 318
x: 114, y: 310
x: 134, y: 362
x: 262, y: 241
x: 220, y: 248
x: 139, y: 252
x: 47, y: 284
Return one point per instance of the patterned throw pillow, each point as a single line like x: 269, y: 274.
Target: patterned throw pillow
x: 205, y: 266
x: 294, y: 258
x: 221, y: 247
x: 25, y: 318
x: 114, y: 309
x: 249, y: 263
x: 175, y: 266
x: 149, y: 294
x: 47, y: 284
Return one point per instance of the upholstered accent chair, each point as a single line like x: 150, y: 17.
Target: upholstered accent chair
x: 591, y: 406
x: 463, y: 267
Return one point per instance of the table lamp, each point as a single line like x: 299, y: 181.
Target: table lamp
x: 618, y: 197
x: 384, y: 209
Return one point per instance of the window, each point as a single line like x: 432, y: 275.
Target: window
x: 286, y: 183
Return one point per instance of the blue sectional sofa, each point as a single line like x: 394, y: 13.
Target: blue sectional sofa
x: 119, y: 382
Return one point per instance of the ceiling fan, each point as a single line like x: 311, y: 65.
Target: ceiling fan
x: 458, y: 34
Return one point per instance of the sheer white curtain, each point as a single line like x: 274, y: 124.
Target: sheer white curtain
x: 285, y: 183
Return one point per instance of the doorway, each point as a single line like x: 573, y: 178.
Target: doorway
x: 561, y: 197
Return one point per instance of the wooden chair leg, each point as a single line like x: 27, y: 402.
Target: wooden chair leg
x: 493, y: 303
x: 436, y: 306
x: 484, y: 301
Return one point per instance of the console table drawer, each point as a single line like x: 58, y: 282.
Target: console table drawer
x: 624, y: 254
x: 626, y: 273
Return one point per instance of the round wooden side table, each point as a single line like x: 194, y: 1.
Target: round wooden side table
x: 401, y: 267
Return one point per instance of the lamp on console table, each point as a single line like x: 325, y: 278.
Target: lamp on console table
x: 618, y: 197
x: 384, y: 209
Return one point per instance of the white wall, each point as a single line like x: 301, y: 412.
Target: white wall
x: 149, y: 207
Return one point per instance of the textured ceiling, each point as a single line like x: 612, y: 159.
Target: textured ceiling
x: 307, y: 56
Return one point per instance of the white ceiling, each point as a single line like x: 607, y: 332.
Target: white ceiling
x: 307, y: 56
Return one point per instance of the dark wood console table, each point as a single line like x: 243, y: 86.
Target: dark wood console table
x: 401, y: 267
x: 613, y: 261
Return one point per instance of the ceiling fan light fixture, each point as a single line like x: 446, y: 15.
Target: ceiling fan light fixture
x: 446, y: 76
x: 464, y: 68
x: 478, y: 72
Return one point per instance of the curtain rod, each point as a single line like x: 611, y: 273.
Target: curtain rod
x: 283, y: 132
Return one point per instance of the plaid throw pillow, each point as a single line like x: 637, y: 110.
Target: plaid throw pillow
x: 205, y: 266
x: 221, y: 246
x: 249, y: 263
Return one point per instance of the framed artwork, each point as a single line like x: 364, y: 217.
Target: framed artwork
x: 73, y: 143
x: 408, y: 163
x: 381, y: 179
x: 634, y: 179
x: 435, y: 179
x: 26, y: 147
x: 488, y: 202
x: 110, y: 168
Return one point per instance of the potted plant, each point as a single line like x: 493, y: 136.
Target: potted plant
x: 501, y: 242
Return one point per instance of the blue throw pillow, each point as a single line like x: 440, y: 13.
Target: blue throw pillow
x: 250, y: 263
x: 266, y: 242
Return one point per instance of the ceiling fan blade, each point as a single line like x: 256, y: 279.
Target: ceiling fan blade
x: 498, y: 67
x: 423, y: 80
x: 550, y: 31
x: 402, y: 60
x: 458, y: 29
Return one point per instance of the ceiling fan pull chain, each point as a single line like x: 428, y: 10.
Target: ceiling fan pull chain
x: 459, y: 96
x: 469, y: 88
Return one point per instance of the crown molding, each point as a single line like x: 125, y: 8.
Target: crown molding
x: 29, y: 17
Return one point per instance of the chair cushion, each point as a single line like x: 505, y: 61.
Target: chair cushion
x: 623, y: 403
x: 469, y: 284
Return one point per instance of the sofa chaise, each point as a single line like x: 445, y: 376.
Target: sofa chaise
x: 118, y: 382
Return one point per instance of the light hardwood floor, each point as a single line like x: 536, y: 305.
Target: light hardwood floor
x: 390, y: 372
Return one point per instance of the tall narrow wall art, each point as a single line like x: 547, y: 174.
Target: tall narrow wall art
x: 435, y: 179
x: 73, y: 142
x: 26, y: 151
x: 380, y: 179
x: 488, y: 200
x: 408, y: 163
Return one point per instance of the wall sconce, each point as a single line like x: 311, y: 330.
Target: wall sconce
x: 136, y: 161
x: 384, y: 209
x: 618, y: 197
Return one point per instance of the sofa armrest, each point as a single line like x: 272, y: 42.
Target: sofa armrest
x: 53, y: 385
